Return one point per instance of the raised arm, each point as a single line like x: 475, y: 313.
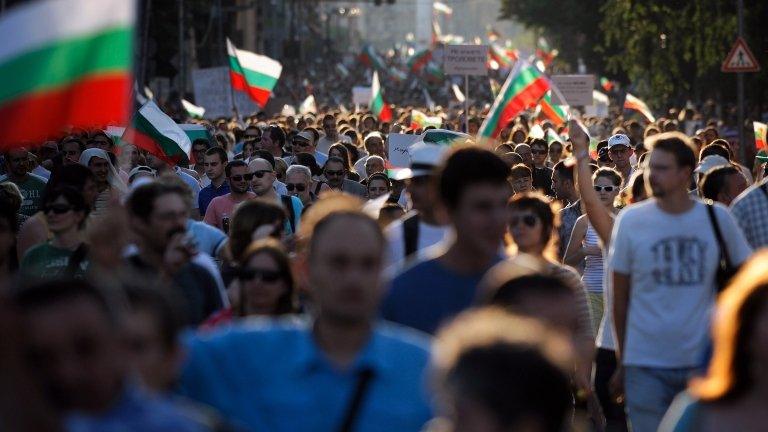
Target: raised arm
x: 600, y: 218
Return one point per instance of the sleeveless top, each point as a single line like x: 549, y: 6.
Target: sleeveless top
x: 593, y: 265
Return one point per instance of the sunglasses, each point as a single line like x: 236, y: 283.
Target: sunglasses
x: 528, y: 220
x: 237, y: 178
x: 334, y: 173
x: 539, y: 152
x: 260, y: 173
x: 605, y: 188
x: 57, y: 208
x: 250, y: 274
x: 298, y: 186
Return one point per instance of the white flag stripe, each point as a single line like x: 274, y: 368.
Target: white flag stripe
x: 255, y: 62
x: 30, y: 27
x: 166, y: 126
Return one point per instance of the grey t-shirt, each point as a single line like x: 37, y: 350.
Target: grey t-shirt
x: 672, y: 261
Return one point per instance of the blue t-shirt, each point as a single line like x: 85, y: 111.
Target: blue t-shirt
x: 208, y: 193
x: 272, y: 376
x: 428, y: 294
x: 298, y: 207
x: 209, y: 238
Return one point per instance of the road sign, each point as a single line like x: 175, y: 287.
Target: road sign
x: 465, y: 59
x: 740, y: 59
x: 576, y: 89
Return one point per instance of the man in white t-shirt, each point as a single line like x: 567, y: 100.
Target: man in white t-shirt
x: 409, y: 237
x: 663, y: 261
x: 331, y: 136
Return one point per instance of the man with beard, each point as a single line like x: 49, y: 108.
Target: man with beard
x: 336, y: 175
x: 158, y: 214
x: 222, y: 207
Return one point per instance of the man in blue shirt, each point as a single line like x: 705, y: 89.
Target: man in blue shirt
x: 215, y: 163
x: 304, y: 376
x: 472, y: 185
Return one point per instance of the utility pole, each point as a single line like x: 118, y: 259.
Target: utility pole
x: 740, y: 89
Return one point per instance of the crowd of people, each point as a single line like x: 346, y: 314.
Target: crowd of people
x: 287, y: 277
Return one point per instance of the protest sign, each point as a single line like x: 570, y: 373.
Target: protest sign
x: 465, y: 59
x: 398, y: 149
x: 576, y: 89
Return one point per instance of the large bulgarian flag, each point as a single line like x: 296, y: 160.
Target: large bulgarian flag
x: 377, y: 105
x: 557, y: 114
x: 64, y: 63
x: 417, y: 62
x: 152, y: 130
x: 635, y: 104
x: 252, y: 73
x: 525, y: 85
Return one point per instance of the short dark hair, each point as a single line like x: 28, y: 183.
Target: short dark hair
x: 335, y: 160
x: 466, y: 166
x: 74, y: 175
x: 218, y: 151
x: 276, y: 134
x: 714, y: 181
x: 715, y: 148
x: 233, y: 164
x: 48, y: 292
x: 539, y: 205
x: 203, y: 141
x: 676, y: 143
x: 512, y: 293
x: 539, y: 142
x: 564, y: 171
x: 614, y: 176
x: 519, y: 171
x: 380, y: 176
x: 141, y: 202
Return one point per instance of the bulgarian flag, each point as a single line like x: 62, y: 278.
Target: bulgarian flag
x: 552, y: 136
x: 192, y: 109
x: 635, y: 104
x: 419, y: 120
x: 557, y: 114
x: 152, y: 130
x: 372, y: 59
x: 761, y: 135
x: 525, y: 85
x: 417, y: 62
x: 377, y: 105
x: 606, y: 84
x: 252, y: 73
x: 499, y: 55
x: 64, y: 64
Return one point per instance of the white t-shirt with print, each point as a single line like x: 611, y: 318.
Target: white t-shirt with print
x: 672, y: 260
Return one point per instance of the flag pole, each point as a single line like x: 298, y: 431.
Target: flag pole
x: 466, y: 103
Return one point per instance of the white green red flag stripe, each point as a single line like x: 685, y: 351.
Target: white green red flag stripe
x: 418, y: 61
x: 500, y: 56
x: 372, y: 59
x: 420, y: 120
x: 64, y: 63
x: 152, y: 130
x: 192, y: 109
x: 635, y: 104
x: 552, y: 136
x: 254, y: 74
x: 378, y: 107
x: 524, y: 86
x: 761, y: 136
x: 557, y: 114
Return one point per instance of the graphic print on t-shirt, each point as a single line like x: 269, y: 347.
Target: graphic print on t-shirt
x: 679, y: 261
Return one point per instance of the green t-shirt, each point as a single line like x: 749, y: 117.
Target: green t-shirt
x: 46, y: 261
x: 32, y: 192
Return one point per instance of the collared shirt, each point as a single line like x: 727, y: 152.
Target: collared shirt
x: 135, y: 410
x: 568, y: 217
x: 750, y: 209
x: 208, y: 193
x: 272, y: 376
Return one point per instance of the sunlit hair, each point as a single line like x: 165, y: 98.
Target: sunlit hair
x: 330, y: 206
x: 731, y: 370
x: 547, y: 212
x: 611, y: 174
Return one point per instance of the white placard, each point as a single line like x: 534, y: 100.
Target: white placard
x: 361, y: 95
x: 576, y: 89
x: 465, y: 59
x: 212, y: 92
x: 398, y: 149
x: 600, y: 106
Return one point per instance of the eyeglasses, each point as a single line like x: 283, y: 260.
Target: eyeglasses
x: 334, y: 173
x: 57, y: 208
x: 237, y: 178
x: 260, y: 173
x: 249, y: 274
x: 528, y: 220
x: 605, y: 188
x: 300, y: 187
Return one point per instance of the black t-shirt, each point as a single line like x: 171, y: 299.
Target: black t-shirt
x: 193, y: 283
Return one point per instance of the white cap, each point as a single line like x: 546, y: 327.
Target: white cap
x: 424, y: 159
x: 619, y: 139
x: 711, y: 162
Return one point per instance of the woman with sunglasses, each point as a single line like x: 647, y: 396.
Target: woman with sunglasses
x: 341, y: 152
x: 266, y: 285
x: 65, y: 211
x: 732, y: 395
x: 533, y: 230
x: 584, y: 246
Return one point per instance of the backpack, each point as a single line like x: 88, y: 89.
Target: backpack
x: 288, y: 204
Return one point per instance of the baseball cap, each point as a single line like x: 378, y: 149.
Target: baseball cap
x: 424, y: 159
x: 619, y: 139
x: 305, y: 135
x: 140, y: 169
x: 711, y: 162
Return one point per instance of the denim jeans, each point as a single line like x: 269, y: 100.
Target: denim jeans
x: 649, y: 393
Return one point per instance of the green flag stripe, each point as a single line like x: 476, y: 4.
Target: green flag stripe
x: 524, y: 78
x: 377, y: 104
x: 169, y: 147
x: 65, y: 62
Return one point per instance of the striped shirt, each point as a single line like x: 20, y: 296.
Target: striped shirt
x: 593, y: 264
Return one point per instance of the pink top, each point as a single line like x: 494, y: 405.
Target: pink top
x: 222, y: 207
